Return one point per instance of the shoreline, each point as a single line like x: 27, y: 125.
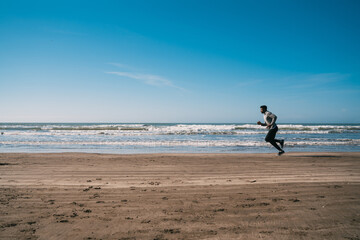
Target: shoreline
x: 180, y: 196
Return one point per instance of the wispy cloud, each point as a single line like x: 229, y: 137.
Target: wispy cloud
x: 146, y: 78
x: 124, y: 66
x: 149, y: 79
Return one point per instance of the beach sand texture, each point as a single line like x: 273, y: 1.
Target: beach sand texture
x: 180, y: 196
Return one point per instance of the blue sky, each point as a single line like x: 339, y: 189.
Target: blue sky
x: 179, y: 61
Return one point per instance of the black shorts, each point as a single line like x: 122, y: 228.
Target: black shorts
x: 271, y: 134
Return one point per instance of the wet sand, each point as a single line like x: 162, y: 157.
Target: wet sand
x: 180, y: 196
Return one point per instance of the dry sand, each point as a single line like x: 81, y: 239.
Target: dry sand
x: 180, y: 196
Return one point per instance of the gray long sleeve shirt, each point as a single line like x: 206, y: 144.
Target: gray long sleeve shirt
x: 270, y: 119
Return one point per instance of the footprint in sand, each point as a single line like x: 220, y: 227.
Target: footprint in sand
x: 80, y: 205
x: 172, y: 230
x: 74, y: 214
x: 10, y: 225
x: 264, y: 204
x: 245, y: 205
x: 276, y: 199
x: 250, y: 199
x: 95, y: 196
x: 219, y: 210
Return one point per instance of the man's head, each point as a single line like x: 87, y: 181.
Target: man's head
x: 263, y: 108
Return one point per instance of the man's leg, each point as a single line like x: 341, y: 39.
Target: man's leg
x: 270, y: 137
x: 281, y: 142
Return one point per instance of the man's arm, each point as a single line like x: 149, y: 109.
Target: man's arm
x: 273, y: 119
x: 262, y: 124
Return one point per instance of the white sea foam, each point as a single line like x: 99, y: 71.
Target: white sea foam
x: 174, y: 128
x: 175, y: 136
x: 160, y: 132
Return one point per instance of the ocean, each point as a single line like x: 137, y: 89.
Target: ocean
x: 125, y: 138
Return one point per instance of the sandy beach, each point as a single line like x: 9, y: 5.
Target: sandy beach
x: 180, y: 196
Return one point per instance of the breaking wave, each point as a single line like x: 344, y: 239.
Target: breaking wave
x: 221, y: 137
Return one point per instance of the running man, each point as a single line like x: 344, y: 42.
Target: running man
x: 270, y: 124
